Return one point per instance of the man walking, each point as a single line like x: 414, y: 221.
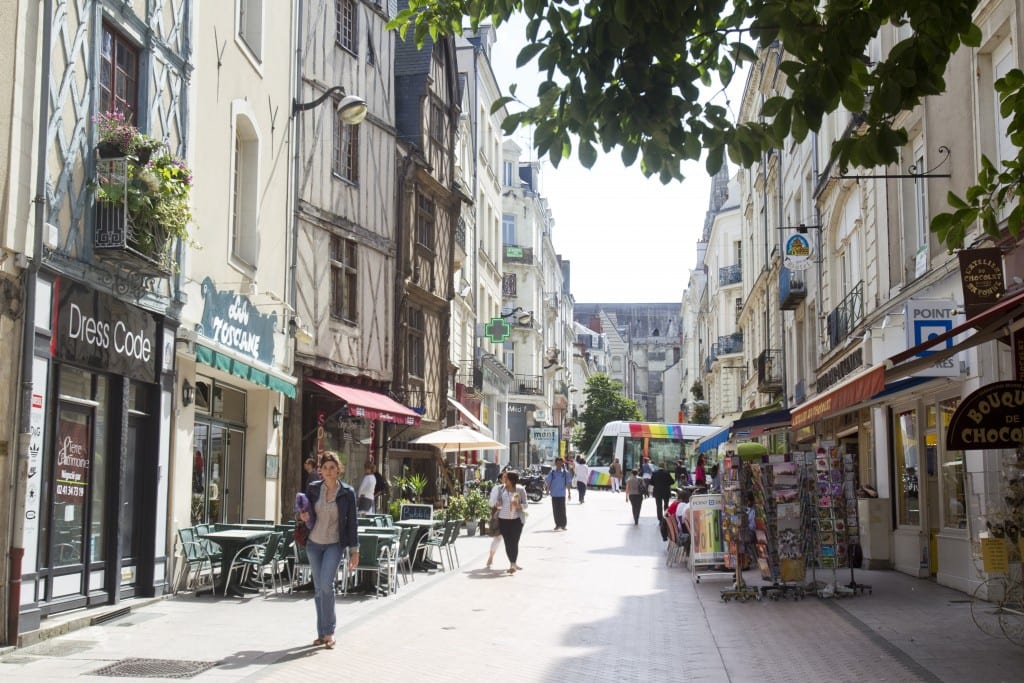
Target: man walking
x: 557, y: 483
x: 645, y: 473
x: 661, y: 481
x: 582, y: 478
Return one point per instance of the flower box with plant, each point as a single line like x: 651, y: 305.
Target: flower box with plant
x: 142, y: 193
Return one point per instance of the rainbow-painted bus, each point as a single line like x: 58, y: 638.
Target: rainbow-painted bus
x: 664, y: 444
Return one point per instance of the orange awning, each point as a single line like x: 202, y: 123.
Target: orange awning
x: 845, y: 394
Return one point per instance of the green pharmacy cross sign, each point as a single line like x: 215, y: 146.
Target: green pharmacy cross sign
x: 498, y: 330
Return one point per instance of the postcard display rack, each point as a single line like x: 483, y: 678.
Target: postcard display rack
x: 780, y: 493
x: 736, y: 480
x: 837, y: 524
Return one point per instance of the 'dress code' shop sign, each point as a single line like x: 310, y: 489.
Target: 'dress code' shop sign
x: 97, y: 330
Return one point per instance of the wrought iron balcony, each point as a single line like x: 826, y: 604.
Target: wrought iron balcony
x: 730, y: 275
x: 844, y: 318
x: 117, y: 238
x: 732, y: 343
x: 792, y: 289
x: 532, y: 385
x: 769, y: 371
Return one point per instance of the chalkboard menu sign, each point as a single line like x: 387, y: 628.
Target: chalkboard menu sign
x: 412, y: 511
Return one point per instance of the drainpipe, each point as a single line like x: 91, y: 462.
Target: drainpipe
x: 17, y: 551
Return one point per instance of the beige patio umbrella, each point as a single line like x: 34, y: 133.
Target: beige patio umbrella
x: 453, y: 440
x: 458, y: 438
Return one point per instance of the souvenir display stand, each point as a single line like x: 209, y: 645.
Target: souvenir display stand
x: 836, y: 521
x: 779, y: 527
x: 736, y: 478
x: 704, y: 517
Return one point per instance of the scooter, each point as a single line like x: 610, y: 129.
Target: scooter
x: 534, y: 486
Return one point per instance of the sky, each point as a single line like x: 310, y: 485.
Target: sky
x: 629, y: 238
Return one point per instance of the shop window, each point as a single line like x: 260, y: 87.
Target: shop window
x: 415, y: 351
x: 250, y: 25
x: 345, y: 25
x: 202, y: 396
x: 245, y: 194
x: 907, y: 446
x: 228, y: 404
x: 424, y: 220
x: 954, y: 495
x: 343, y: 279
x: 119, y: 74
x: 346, y: 150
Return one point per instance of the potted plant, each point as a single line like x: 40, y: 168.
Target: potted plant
x: 144, y: 190
x: 479, y: 510
x: 458, y: 508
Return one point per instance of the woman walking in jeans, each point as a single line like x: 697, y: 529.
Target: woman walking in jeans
x: 510, y: 500
x: 332, y: 523
x: 635, y: 494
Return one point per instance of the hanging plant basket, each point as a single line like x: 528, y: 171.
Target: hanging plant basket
x: 109, y: 150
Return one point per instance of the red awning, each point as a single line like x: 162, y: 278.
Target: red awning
x: 843, y: 395
x: 370, y: 404
x: 989, y: 324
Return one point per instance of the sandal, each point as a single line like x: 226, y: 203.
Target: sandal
x: 329, y: 642
x: 318, y: 641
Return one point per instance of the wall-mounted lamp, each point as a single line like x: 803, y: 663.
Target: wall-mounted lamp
x: 275, y: 418
x: 351, y: 108
x: 298, y: 331
x: 188, y: 393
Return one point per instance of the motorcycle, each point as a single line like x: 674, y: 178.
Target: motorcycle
x: 534, y: 485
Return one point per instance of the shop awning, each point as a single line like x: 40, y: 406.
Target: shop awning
x: 845, y: 394
x: 762, y: 422
x: 257, y: 373
x: 473, y: 419
x: 712, y: 441
x: 988, y: 325
x: 370, y: 405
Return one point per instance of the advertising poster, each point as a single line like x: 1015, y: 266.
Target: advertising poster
x: 543, y: 445
x: 706, y: 545
x: 73, y: 459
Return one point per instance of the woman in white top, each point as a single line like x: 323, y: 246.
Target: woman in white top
x: 510, y: 500
x: 364, y: 501
x: 496, y: 538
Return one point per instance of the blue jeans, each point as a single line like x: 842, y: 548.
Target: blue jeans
x: 324, y: 561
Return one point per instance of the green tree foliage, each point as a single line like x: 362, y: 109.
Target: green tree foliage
x: 646, y: 78
x: 604, y: 403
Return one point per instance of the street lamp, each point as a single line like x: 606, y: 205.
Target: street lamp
x: 351, y: 108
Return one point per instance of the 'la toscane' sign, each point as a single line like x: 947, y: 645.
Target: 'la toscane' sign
x: 231, y: 319
x: 991, y: 417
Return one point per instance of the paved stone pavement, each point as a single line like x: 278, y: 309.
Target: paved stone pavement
x: 594, y: 603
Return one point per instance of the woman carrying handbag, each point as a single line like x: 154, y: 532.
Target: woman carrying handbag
x: 511, y: 502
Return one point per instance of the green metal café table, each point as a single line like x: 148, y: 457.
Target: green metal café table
x: 231, y: 541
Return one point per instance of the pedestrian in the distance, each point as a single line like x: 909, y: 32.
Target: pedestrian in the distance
x: 332, y: 529
x: 557, y: 483
x: 495, y: 537
x: 570, y: 467
x: 645, y: 473
x: 661, y: 484
x: 699, y: 477
x: 582, y: 478
x: 364, y: 496
x: 615, y: 474
x: 634, y: 494
x: 308, y: 471
x: 511, y: 502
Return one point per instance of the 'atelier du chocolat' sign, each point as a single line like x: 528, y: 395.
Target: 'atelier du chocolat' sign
x: 981, y: 275
x: 991, y: 417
